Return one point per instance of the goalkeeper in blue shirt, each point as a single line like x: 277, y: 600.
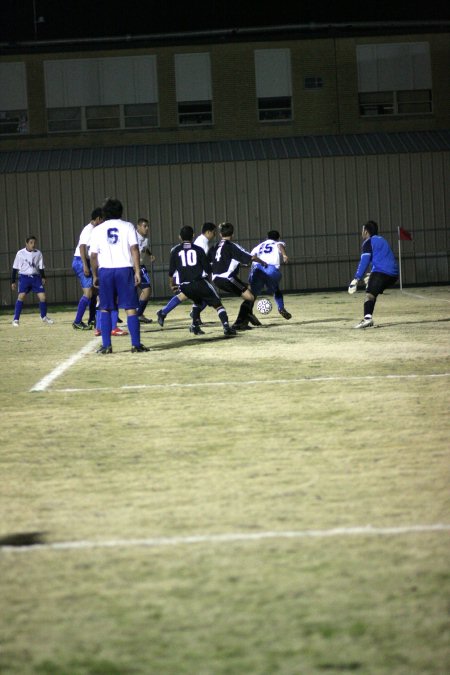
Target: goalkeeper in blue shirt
x: 384, y: 274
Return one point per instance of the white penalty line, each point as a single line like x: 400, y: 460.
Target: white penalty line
x: 62, y: 367
x: 301, y: 380
x: 237, y: 537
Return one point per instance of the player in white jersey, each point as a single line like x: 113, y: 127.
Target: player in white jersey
x: 273, y: 252
x: 145, y: 254
x: 82, y: 268
x: 29, y: 266
x: 116, y: 272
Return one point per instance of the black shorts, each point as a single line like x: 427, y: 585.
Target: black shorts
x: 378, y: 282
x: 200, y: 291
x: 231, y: 285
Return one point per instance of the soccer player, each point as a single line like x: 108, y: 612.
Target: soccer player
x: 377, y: 253
x: 226, y: 258
x: 205, y: 240
x: 142, y: 230
x: 190, y: 265
x: 272, y: 251
x: 82, y: 268
x: 116, y: 272
x: 29, y: 266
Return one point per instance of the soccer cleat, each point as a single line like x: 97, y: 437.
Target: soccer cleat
x: 104, y: 350
x: 365, y: 323
x: 91, y: 324
x: 161, y: 317
x: 254, y: 320
x: 196, y: 330
x: 97, y: 332
x: 119, y: 331
x: 229, y: 330
x: 15, y: 323
x: 285, y: 314
x: 143, y: 319
x: 45, y: 319
x: 139, y: 348
x: 200, y: 322
x: 80, y: 325
x: 241, y: 326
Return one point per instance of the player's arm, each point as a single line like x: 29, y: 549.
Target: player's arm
x: 41, y: 269
x: 14, y: 274
x: 256, y: 259
x: 283, y: 253
x: 366, y: 258
x: 173, y: 285
x: 84, y: 260
x: 134, y: 250
x: 94, y: 268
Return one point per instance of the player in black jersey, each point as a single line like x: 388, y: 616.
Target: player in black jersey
x: 226, y: 258
x: 190, y: 264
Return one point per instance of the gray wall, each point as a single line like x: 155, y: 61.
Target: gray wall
x: 318, y: 205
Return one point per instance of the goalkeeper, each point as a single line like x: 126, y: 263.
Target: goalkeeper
x: 377, y: 253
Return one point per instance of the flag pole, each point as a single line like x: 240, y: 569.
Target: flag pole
x: 399, y: 259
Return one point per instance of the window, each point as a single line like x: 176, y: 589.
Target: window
x: 13, y: 99
x: 313, y: 83
x: 273, y: 84
x: 193, y: 89
x: 101, y: 94
x: 394, y: 79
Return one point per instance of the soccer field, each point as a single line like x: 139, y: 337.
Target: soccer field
x: 276, y: 502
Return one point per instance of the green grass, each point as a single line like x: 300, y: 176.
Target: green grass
x: 297, y: 426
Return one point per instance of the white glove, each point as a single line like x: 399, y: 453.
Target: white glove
x: 353, y: 286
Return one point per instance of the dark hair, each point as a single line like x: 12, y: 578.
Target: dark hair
x: 226, y: 229
x: 371, y: 227
x: 142, y: 220
x: 208, y: 227
x: 97, y: 213
x: 30, y: 237
x: 112, y: 208
x: 187, y: 233
x: 273, y: 234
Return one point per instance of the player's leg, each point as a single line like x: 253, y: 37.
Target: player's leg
x: 23, y: 285
x: 211, y: 297
x: 144, y: 295
x: 43, y: 306
x: 173, y: 302
x: 84, y: 302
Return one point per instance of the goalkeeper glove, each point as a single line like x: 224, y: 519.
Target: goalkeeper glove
x: 353, y: 286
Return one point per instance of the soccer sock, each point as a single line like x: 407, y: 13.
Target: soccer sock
x: 92, y: 309
x: 223, y: 316
x: 278, y: 297
x: 369, y: 306
x: 43, y: 309
x: 196, y: 309
x: 135, y: 329
x: 98, y: 319
x: 106, y: 327
x: 114, y: 317
x: 173, y: 302
x: 244, y: 310
x: 141, y: 307
x: 82, y: 305
x: 18, y: 310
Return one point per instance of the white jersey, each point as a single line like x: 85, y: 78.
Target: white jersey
x: 269, y: 252
x: 85, y: 238
x: 144, y: 245
x: 111, y: 240
x: 203, y: 242
x: 28, y: 262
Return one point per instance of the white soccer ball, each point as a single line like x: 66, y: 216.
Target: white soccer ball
x: 264, y: 306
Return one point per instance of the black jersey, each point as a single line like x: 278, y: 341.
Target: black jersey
x: 226, y: 257
x: 189, y: 262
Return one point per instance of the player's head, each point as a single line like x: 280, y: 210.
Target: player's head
x: 370, y: 228
x: 208, y: 227
x: 30, y: 242
x: 226, y: 229
x: 186, y: 233
x: 112, y: 209
x: 97, y: 214
x: 143, y: 226
x: 273, y: 234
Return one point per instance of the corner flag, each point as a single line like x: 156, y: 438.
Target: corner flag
x: 404, y: 234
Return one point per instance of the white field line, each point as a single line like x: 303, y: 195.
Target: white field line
x: 62, y: 367
x: 422, y: 297
x: 231, y: 537
x: 301, y: 380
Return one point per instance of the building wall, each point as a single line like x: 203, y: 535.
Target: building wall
x: 318, y: 205
x: 330, y: 110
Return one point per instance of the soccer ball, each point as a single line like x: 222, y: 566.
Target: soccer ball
x: 264, y: 306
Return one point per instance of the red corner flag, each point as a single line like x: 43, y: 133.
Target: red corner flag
x: 404, y: 234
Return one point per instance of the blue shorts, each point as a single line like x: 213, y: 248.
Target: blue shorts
x: 117, y: 289
x: 145, y: 278
x: 77, y: 266
x: 30, y: 282
x: 264, y: 277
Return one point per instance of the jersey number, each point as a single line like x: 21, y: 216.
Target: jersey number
x: 268, y: 248
x: 113, y: 236
x: 188, y: 257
